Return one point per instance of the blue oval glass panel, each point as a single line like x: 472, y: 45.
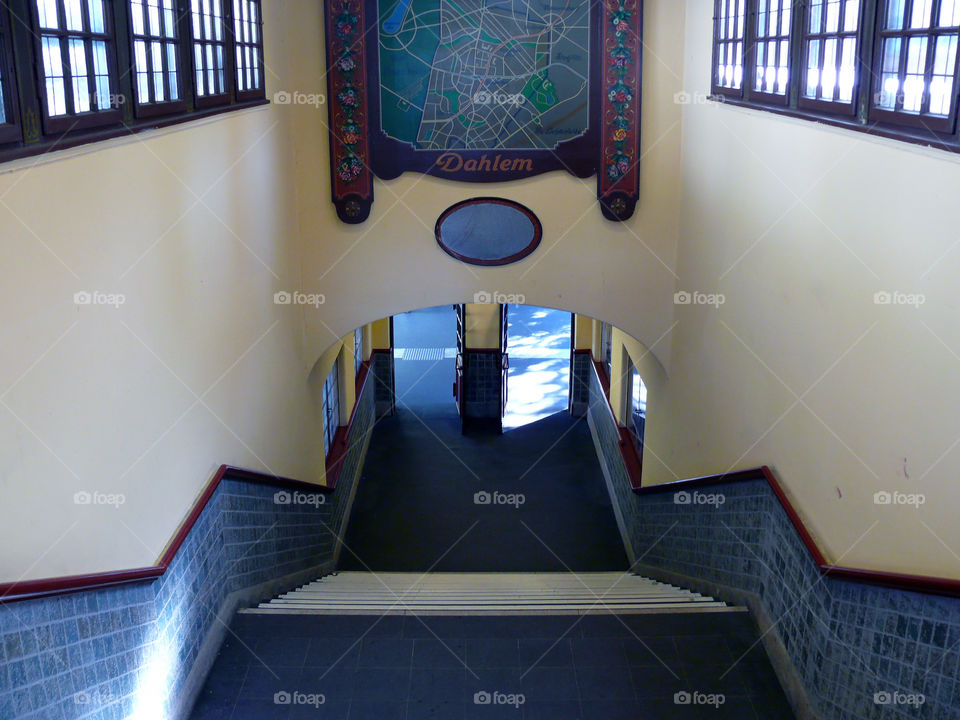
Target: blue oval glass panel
x: 489, y: 231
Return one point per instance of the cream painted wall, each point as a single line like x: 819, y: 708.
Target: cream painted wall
x: 799, y: 225
x: 581, y: 260
x: 482, y: 326
x: 196, y: 227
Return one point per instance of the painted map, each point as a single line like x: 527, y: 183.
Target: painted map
x: 484, y: 74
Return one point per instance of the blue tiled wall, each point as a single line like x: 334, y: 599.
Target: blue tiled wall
x: 126, y: 652
x: 482, y: 378
x: 580, y: 373
x: 847, y: 641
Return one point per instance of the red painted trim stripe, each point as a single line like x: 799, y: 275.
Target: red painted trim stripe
x: 899, y: 581
x: 29, y: 589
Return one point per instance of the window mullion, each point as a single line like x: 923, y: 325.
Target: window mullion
x: 934, y: 36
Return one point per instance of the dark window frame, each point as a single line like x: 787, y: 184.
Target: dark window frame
x: 740, y: 23
x: 30, y: 131
x: 357, y: 350
x: 167, y: 107
x: 921, y: 120
x: 331, y: 409
x: 208, y: 99
x: 637, y: 434
x: 864, y: 118
x: 73, y: 120
x: 10, y: 128
x: 754, y: 43
x: 257, y: 48
x: 836, y: 106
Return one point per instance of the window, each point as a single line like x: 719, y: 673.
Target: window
x: 728, y: 28
x: 209, y: 52
x: 249, y: 48
x: 331, y: 407
x: 156, y: 50
x: 357, y: 349
x: 771, y: 49
x: 830, y: 52
x: 637, y: 397
x: 9, y: 130
x: 75, y: 41
x: 916, y: 53
x: 885, y: 67
x: 606, y: 347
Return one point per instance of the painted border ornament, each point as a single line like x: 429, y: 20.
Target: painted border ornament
x: 619, y: 177
x: 359, y: 149
x: 352, y: 179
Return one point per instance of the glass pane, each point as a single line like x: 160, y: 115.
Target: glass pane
x: 848, y: 70
x: 153, y: 15
x: 833, y: 16
x: 198, y: 64
x: 140, y: 58
x: 921, y: 15
x: 949, y: 13
x: 172, y: 78
x: 813, y: 69
x: 159, y: 94
x: 74, y: 14
x: 169, y: 19
x: 816, y: 16
x: 913, y: 83
x: 196, y: 19
x: 829, y: 82
x: 851, y: 16
x: 77, y: 52
x: 889, y: 77
x: 941, y: 86
x: 136, y: 16
x: 895, y: 9
x: 47, y: 11
x: 101, y: 75
x: 53, y: 73
x: 95, y: 8
x: 785, y: 15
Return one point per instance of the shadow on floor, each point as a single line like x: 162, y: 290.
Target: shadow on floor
x: 565, y: 668
x: 431, y: 498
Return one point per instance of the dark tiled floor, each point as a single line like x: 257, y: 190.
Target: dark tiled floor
x: 405, y: 668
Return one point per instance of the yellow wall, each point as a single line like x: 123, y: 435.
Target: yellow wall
x: 483, y: 326
x: 196, y: 226
x: 799, y: 225
x: 581, y: 260
x: 582, y: 332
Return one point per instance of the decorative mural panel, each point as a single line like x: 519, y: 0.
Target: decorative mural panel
x: 484, y: 91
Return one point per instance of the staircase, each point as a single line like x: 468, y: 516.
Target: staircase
x: 365, y: 593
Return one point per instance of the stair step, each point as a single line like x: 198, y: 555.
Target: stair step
x: 353, y: 593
